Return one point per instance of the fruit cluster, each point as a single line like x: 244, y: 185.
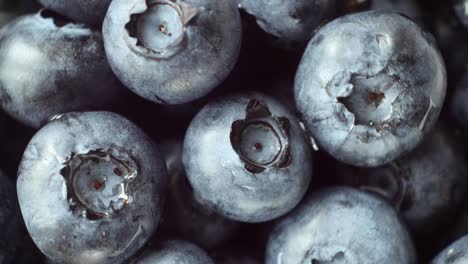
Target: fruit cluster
x: 233, y: 131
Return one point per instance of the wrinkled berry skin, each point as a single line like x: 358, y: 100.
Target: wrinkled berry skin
x: 369, y: 87
x: 456, y: 253
x: 90, y: 188
x: 46, y: 69
x: 205, y: 228
x: 341, y: 225
x: 175, y: 252
x: 9, y: 220
x: 179, y: 70
x: 247, y: 158
x: 427, y: 185
x: 292, y: 21
x: 91, y: 12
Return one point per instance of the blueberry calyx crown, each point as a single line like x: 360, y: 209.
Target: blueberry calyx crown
x: 329, y: 254
x: 159, y: 30
x: 261, y: 139
x: 98, y: 182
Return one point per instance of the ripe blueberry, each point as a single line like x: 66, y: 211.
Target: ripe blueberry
x: 50, y: 66
x: 341, y: 225
x: 90, y: 188
x: 172, y: 51
x: 247, y: 158
x: 369, y: 87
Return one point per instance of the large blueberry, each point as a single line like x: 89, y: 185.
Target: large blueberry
x: 247, y: 158
x: 205, y: 227
x: 341, y: 225
x: 290, y: 20
x: 175, y: 252
x: 50, y: 66
x: 9, y: 220
x: 426, y: 186
x: 369, y: 87
x: 172, y: 51
x: 90, y: 187
x: 455, y: 253
x: 86, y: 11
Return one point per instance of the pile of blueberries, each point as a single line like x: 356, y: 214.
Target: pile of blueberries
x: 233, y: 131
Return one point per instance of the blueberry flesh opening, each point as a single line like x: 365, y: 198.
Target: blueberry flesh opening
x: 261, y: 140
x: 98, y: 183
x: 161, y: 27
x: 371, y: 98
x: 339, y: 258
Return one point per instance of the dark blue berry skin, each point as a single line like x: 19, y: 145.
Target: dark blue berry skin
x: 90, y: 188
x: 341, y: 225
x: 427, y: 185
x: 247, y: 158
x: 455, y: 253
x: 292, y: 21
x: 369, y: 87
x: 9, y: 221
x: 175, y: 252
x: 50, y: 66
x: 91, y: 12
x: 205, y: 227
x: 172, y: 52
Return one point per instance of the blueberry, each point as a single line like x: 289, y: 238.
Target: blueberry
x: 90, y: 188
x: 172, y: 51
x: 49, y: 66
x: 9, y: 221
x: 341, y: 225
x: 456, y: 253
x: 290, y: 20
x: 91, y: 12
x: 175, y: 252
x: 369, y: 87
x: 206, y: 228
x: 426, y: 186
x: 246, y: 158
